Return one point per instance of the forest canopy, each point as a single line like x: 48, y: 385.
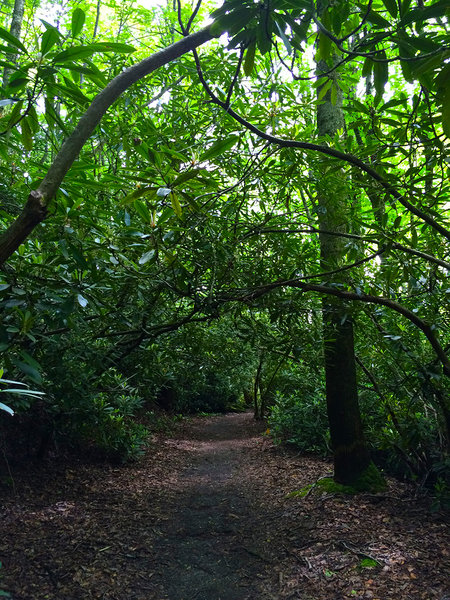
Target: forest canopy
x: 205, y: 207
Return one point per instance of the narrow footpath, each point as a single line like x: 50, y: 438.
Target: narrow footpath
x: 209, y: 514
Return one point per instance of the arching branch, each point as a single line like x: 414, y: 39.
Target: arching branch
x: 35, y: 210
x: 426, y: 328
x: 322, y: 149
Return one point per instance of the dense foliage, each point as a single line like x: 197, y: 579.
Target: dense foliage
x: 179, y: 263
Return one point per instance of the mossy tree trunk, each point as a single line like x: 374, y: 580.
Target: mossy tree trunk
x: 351, y: 456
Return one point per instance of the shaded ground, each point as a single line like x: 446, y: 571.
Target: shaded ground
x: 205, y: 516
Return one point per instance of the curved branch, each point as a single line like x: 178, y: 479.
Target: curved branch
x: 344, y: 156
x: 390, y: 243
x: 361, y: 25
x: 11, y: 239
x: 372, y: 55
x: 425, y: 327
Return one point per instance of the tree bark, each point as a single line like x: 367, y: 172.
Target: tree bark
x: 15, y: 29
x: 351, y: 456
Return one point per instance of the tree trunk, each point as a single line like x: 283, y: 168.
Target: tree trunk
x: 16, y: 26
x: 257, y: 396
x: 351, y: 456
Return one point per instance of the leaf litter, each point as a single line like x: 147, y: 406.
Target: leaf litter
x: 209, y: 514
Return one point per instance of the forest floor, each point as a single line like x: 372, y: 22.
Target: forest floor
x: 206, y: 516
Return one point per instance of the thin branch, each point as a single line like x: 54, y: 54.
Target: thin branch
x: 363, y: 21
x: 344, y: 156
x: 372, y: 55
x: 235, y: 78
x: 426, y: 328
x: 192, y: 17
x: 390, y: 242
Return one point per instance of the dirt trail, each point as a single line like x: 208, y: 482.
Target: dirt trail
x: 206, y: 516
x: 207, y: 545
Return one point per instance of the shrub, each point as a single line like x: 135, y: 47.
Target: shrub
x: 112, y: 430
x: 300, y: 422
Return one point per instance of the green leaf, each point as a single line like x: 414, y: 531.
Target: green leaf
x: 423, y: 43
x: 185, y: 177
x: 333, y: 96
x: 404, y: 6
x: 360, y: 107
x: 367, y: 67
x: 49, y: 39
x: 446, y: 112
x: 52, y: 117
x: 376, y: 19
x: 406, y: 70
x: 113, y: 47
x: 235, y: 20
x: 243, y: 38
x: 75, y: 53
x: 380, y: 76
x: 26, y: 135
x: 438, y: 9
x: 15, y: 114
x: 78, y: 19
x: 393, y: 102
x: 33, y: 120
x: 324, y: 89
x: 263, y: 40
x: 319, y: 82
x: 147, y: 256
x: 249, y: 60
x: 30, y: 360
x: 82, y: 52
x: 391, y: 6
x: 28, y: 370
x: 219, y: 148
x: 6, y: 408
x: 142, y: 211
x: 91, y: 72
x: 282, y: 35
x: 176, y: 204
x: 368, y: 563
x: 138, y: 193
x: 442, y: 80
x: 324, y: 46
x: 427, y: 66
x: 17, y: 80
x: 8, y: 37
x: 301, y: 29
x: 192, y: 203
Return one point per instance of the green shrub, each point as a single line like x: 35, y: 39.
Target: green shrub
x: 300, y: 422
x: 112, y: 430
x: 101, y: 416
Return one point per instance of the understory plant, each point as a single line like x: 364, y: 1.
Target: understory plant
x: 300, y: 421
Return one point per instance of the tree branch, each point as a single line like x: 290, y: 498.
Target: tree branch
x: 426, y: 328
x: 11, y: 239
x: 344, y: 156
